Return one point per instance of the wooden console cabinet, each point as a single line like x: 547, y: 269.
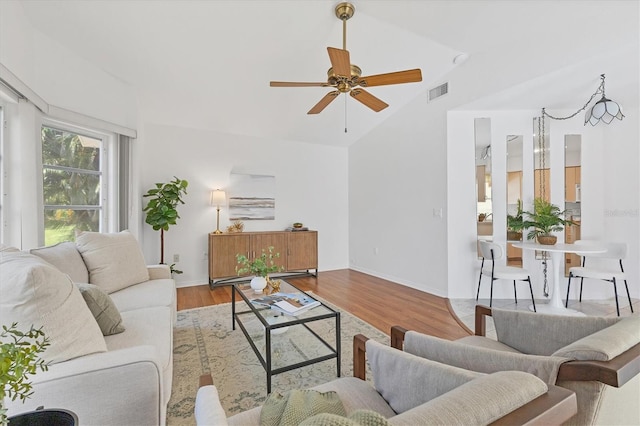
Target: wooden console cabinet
x: 298, y: 251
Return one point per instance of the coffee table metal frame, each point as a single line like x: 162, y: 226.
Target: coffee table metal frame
x: 291, y: 321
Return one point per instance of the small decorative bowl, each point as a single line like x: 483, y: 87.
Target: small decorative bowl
x: 297, y: 225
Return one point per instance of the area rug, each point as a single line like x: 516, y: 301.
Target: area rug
x: 204, y: 342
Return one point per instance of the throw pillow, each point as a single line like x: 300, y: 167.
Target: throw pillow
x: 101, y: 306
x: 36, y: 293
x: 114, y: 261
x: 6, y: 248
x: 296, y: 405
x: 65, y: 257
x: 406, y: 381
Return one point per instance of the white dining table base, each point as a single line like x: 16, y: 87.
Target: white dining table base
x: 555, y: 305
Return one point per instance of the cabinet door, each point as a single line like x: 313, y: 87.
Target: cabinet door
x: 302, y: 250
x: 223, y: 249
x: 570, y: 184
x: 277, y: 240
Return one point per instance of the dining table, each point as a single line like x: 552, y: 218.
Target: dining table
x: 557, y: 251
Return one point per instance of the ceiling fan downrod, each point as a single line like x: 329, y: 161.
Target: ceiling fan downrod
x: 344, y: 11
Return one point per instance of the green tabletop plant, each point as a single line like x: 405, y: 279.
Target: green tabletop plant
x: 545, y: 219
x: 19, y: 358
x: 515, y: 224
x: 260, y: 266
x: 162, y: 209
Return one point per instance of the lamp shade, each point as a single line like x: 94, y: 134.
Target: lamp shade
x: 605, y: 110
x: 218, y: 198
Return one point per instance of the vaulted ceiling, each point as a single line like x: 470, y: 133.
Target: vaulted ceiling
x: 207, y: 64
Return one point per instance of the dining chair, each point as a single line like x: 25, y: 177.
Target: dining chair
x: 606, y: 266
x: 490, y: 253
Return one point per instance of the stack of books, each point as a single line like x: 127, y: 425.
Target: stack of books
x: 288, y: 303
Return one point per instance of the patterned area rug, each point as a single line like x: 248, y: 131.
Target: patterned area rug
x: 205, y: 343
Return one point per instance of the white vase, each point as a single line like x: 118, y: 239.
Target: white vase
x: 258, y: 284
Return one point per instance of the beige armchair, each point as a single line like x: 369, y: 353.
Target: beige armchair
x: 598, y: 358
x: 410, y: 390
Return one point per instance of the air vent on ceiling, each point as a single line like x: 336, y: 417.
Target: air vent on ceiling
x: 438, y: 91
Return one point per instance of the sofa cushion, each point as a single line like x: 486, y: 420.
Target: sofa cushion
x: 66, y: 258
x: 5, y: 248
x: 397, y: 375
x: 35, y: 292
x: 150, y: 326
x: 543, y: 334
x: 146, y: 295
x: 102, y: 308
x: 605, y: 344
x: 114, y: 261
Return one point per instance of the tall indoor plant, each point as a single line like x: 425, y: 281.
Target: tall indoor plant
x: 260, y: 266
x: 545, y: 219
x: 162, y: 208
x: 19, y: 358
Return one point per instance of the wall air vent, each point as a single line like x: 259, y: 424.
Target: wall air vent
x: 438, y: 91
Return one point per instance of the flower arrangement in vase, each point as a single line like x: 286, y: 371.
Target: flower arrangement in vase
x: 260, y: 266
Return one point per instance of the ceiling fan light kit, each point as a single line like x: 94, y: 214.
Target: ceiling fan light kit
x: 345, y: 77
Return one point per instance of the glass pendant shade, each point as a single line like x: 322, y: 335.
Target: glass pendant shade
x: 605, y: 110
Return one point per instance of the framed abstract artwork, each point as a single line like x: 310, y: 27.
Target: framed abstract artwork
x: 252, y: 197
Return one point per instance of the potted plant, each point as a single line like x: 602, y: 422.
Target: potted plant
x: 515, y: 224
x: 260, y: 267
x: 162, y: 209
x: 545, y: 219
x: 19, y: 357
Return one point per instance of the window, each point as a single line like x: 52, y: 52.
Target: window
x: 74, y: 182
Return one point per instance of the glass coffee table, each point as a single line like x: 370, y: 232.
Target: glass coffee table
x: 285, y: 342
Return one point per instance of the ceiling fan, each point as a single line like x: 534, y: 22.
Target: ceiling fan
x: 346, y: 77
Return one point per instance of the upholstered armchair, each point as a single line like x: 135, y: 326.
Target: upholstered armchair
x: 596, y: 357
x: 410, y: 390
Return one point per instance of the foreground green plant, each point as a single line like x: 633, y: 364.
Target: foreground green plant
x: 18, y: 359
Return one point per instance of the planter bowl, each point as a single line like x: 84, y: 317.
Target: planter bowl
x: 514, y: 236
x: 547, y: 240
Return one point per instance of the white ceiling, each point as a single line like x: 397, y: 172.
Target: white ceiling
x: 207, y: 64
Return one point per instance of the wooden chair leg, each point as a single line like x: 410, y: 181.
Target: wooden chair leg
x: 515, y: 292
x: 581, y: 282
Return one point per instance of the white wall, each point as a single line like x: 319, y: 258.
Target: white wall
x: 310, y: 188
x: 397, y: 189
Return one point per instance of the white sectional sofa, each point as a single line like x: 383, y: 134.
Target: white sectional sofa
x: 115, y: 379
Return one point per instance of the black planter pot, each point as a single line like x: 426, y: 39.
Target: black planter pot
x: 49, y: 417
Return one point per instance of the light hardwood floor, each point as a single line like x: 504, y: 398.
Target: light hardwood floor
x: 378, y: 302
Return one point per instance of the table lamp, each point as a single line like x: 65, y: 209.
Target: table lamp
x: 218, y: 198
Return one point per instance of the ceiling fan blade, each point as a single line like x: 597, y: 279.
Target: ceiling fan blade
x: 399, y: 77
x: 340, y: 61
x: 296, y: 84
x: 368, y: 99
x: 328, y: 98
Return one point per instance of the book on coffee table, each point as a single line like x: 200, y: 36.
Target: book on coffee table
x: 288, y: 303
